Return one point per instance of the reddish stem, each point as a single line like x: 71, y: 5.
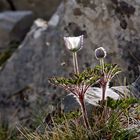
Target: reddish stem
x: 84, y: 112
x: 103, y: 92
x: 75, y: 63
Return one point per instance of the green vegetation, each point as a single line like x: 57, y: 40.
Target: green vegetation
x: 69, y: 126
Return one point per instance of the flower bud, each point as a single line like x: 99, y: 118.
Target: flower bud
x: 74, y: 44
x: 100, y: 53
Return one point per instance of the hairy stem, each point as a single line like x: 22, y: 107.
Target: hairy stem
x: 104, y: 102
x: 103, y: 92
x: 75, y: 63
x: 84, y: 113
x: 102, y: 64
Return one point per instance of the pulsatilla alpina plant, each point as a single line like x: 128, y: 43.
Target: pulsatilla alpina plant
x: 109, y: 121
x: 79, y: 83
x: 107, y: 71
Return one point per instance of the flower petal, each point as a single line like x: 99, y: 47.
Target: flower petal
x: 74, y: 44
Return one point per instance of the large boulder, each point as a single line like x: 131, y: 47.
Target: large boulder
x: 14, y: 26
x: 43, y: 54
x: 40, y: 8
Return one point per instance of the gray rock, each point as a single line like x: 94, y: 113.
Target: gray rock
x: 14, y: 26
x: 42, y: 54
x: 40, y: 8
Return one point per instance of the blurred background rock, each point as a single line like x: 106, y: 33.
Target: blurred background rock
x: 40, y: 8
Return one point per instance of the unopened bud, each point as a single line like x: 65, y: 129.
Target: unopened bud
x: 100, y: 53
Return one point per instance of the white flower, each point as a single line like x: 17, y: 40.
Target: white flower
x: 100, y: 53
x: 74, y: 44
